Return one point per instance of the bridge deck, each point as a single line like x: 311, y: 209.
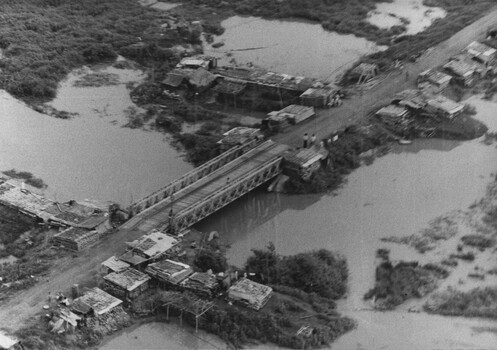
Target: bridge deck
x: 237, y: 169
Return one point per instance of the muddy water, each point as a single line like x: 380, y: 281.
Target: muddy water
x: 91, y: 155
x: 159, y: 336
x: 419, y: 16
x: 297, y: 48
x: 396, y: 195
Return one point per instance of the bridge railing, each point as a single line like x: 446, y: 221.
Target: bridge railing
x: 191, y: 177
x: 221, y: 198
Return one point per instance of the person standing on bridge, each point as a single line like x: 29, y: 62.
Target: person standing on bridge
x: 306, y: 140
x: 313, y: 140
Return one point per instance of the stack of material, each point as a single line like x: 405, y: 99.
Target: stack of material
x: 76, y: 238
x: 318, y: 97
x: 444, y: 106
x: 250, y: 293
x: 169, y: 272
x: 129, y: 283
x: 482, y: 52
x: 438, y: 79
x: 201, y: 283
x: 363, y: 72
x: 292, y: 114
x: 393, y: 115
x: 410, y: 98
x: 239, y: 136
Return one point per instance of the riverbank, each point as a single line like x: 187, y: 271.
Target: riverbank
x: 462, y: 244
x: 295, y: 314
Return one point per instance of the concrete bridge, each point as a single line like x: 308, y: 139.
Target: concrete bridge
x: 207, y: 188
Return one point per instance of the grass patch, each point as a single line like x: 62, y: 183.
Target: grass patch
x: 97, y: 79
x: 28, y: 177
x: 478, y: 241
x: 479, y: 302
x: 405, y: 280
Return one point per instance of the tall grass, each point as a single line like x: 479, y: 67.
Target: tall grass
x: 42, y: 40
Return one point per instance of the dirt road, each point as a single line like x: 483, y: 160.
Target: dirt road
x: 359, y: 105
x: 83, y: 268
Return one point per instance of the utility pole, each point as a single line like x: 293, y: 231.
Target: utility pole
x: 172, y: 228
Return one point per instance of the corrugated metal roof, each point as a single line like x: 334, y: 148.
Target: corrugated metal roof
x: 153, y: 243
x: 97, y: 300
x: 115, y: 264
x: 128, y: 279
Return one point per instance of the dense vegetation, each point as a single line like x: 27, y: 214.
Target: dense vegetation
x: 398, y: 283
x: 42, y: 40
x: 343, y: 158
x: 321, y: 271
x: 479, y: 302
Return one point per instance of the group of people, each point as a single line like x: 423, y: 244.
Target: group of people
x: 335, y: 101
x: 309, y: 142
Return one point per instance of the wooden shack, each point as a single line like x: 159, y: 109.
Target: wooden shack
x: 95, y: 302
x: 76, y: 239
x: 444, y: 107
x: 250, y: 293
x: 302, y: 163
x: 290, y: 115
x: 127, y: 284
x: 318, y: 97
x: 436, y: 78
x: 168, y: 273
x: 202, y: 284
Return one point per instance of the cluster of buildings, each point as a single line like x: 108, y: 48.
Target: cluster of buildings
x: 465, y: 69
x: 81, y: 223
x: 151, y: 262
x: 200, y: 73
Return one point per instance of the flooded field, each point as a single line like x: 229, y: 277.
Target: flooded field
x: 90, y: 155
x: 291, y: 47
x: 412, y: 13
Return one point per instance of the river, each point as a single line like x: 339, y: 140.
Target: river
x: 397, y: 195
x: 267, y: 44
x: 90, y: 155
